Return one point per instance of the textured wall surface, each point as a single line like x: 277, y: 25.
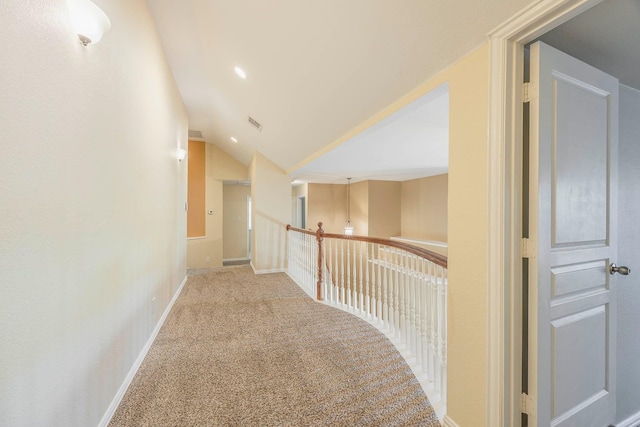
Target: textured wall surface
x: 207, y: 252
x: 234, y: 221
x: 628, y: 345
x: 468, y: 237
x: 424, y: 208
x: 270, y: 214
x: 93, y: 225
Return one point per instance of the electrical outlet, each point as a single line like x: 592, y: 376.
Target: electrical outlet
x: 208, y: 259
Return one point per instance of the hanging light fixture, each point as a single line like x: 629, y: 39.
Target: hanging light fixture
x: 349, y: 228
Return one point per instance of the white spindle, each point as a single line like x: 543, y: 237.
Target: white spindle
x: 368, y: 297
x: 403, y: 293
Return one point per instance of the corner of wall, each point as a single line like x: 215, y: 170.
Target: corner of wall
x: 448, y: 422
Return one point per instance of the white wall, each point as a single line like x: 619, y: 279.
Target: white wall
x: 92, y: 222
x: 628, y: 345
x: 270, y: 213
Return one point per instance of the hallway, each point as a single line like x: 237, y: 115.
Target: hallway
x: 245, y: 349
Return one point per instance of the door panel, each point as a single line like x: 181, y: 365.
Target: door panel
x: 572, y: 210
x: 580, y: 169
x: 581, y: 333
x: 570, y: 279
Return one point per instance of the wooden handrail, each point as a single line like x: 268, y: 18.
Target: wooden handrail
x: 301, y: 230
x: 435, y: 258
x: 398, y: 287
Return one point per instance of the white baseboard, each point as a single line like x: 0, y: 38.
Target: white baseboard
x: 266, y: 271
x: 309, y: 292
x: 106, y: 418
x: 632, y: 421
x: 448, y: 422
x: 236, y: 259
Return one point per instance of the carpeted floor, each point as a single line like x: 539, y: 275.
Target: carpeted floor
x: 245, y: 350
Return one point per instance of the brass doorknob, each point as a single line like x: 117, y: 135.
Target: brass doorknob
x: 623, y: 270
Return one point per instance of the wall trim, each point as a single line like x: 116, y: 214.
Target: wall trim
x: 236, y: 259
x: 506, y: 44
x: 632, y: 421
x: 106, y: 418
x: 266, y: 271
x: 498, y: 240
x: 448, y: 422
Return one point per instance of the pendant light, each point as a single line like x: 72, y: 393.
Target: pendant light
x: 349, y: 228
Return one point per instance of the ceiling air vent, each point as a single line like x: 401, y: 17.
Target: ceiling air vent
x: 255, y: 123
x: 195, y: 133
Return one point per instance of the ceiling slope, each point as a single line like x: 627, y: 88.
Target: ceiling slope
x: 316, y: 68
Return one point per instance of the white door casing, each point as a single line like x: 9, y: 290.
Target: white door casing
x: 572, y: 212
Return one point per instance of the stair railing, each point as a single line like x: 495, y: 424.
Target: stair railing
x: 399, y: 288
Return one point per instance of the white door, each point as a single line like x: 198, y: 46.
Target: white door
x: 572, y: 212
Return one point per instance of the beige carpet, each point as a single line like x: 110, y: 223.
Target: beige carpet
x: 245, y: 350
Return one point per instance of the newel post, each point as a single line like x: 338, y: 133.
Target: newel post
x: 319, y: 238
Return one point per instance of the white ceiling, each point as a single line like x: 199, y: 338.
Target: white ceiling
x: 411, y: 143
x: 316, y: 68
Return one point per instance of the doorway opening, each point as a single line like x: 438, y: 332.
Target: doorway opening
x: 236, y: 223
x: 546, y: 22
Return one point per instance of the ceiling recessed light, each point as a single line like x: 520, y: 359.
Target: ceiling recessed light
x: 240, y: 72
x: 234, y: 139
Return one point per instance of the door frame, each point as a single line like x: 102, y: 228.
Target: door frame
x: 504, y: 163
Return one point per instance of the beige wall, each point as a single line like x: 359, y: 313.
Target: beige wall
x: 375, y: 207
x: 327, y: 203
x: 234, y: 221
x: 467, y: 219
x: 299, y: 190
x: 207, y: 252
x: 467, y: 236
x: 425, y: 207
x: 270, y: 212
x: 92, y: 223
x: 384, y: 209
x: 359, y: 208
x: 196, y: 189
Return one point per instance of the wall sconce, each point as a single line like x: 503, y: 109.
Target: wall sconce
x: 181, y: 154
x: 89, y: 21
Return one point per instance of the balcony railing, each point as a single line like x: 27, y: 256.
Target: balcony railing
x: 399, y: 288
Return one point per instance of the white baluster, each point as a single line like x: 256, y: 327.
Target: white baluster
x: 414, y: 304
x: 373, y: 280
x: 401, y: 294
x: 332, y: 272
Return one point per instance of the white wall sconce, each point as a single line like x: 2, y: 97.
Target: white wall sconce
x: 181, y: 154
x: 89, y: 21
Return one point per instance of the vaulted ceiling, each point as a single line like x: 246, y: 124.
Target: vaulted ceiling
x: 316, y: 69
